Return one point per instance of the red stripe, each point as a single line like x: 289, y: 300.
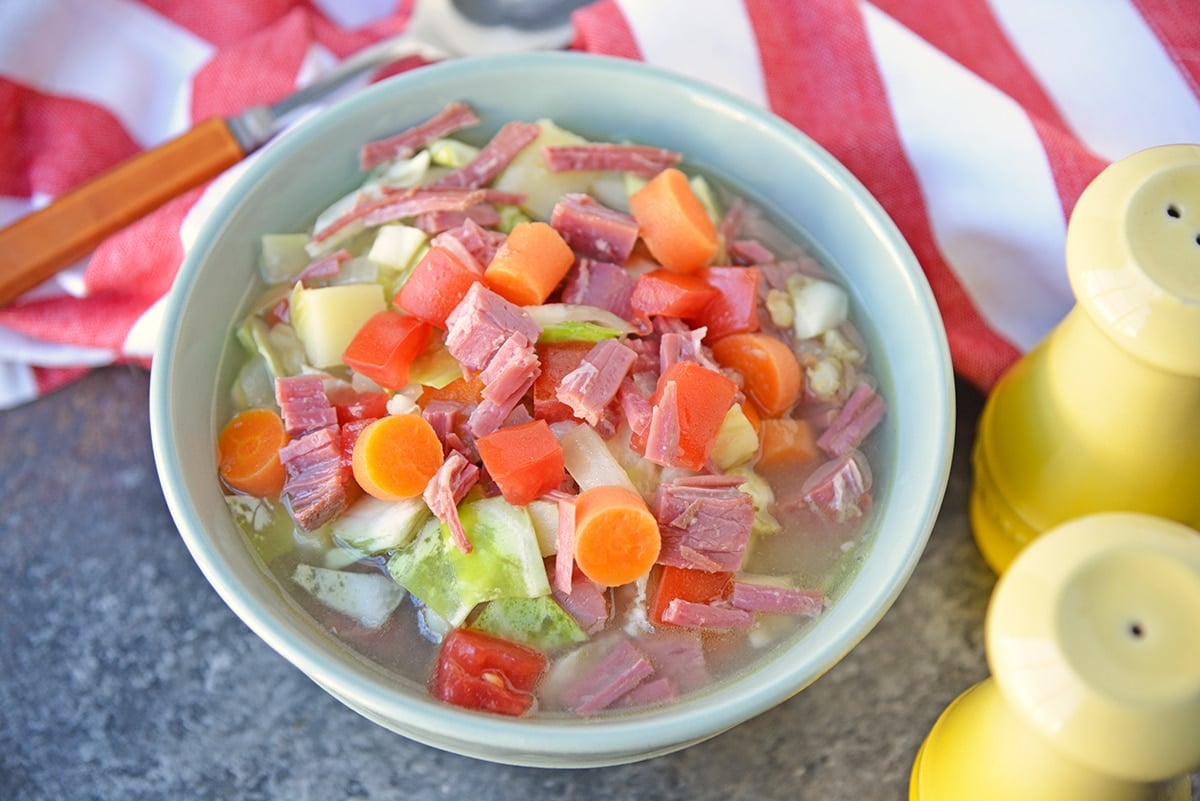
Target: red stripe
x: 602, y: 28
x: 1176, y: 23
x: 48, y: 379
x: 223, y: 24
x: 257, y: 69
x: 828, y: 85
x: 49, y: 144
x: 967, y: 32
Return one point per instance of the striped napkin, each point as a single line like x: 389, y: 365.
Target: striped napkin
x: 975, y: 123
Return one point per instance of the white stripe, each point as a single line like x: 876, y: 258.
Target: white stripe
x: 1105, y: 70
x: 142, y: 338
x: 352, y: 14
x: 18, y: 347
x: 115, y: 53
x: 715, y: 44
x: 991, y: 197
x: 17, y: 384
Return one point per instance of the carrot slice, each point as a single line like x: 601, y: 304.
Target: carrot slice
x: 673, y: 222
x: 786, y: 441
x: 529, y: 264
x: 248, y: 448
x: 525, y: 461
x: 773, y: 379
x: 395, y: 456
x: 616, y: 537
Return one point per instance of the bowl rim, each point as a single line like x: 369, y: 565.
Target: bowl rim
x: 544, y: 741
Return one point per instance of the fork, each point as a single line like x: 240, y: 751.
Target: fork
x: 48, y: 240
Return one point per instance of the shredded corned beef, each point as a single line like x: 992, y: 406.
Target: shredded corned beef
x: 601, y: 284
x: 454, y: 117
x: 590, y: 387
x: 564, y: 550
x: 622, y: 668
x: 839, y: 489
x: 435, y: 222
x: 510, y: 140
x: 754, y: 597
x: 663, y: 431
x: 636, y: 408
x: 325, y: 267
x: 679, y: 656
x: 861, y: 413
x: 706, y: 616
x: 422, y: 201
x: 649, y: 693
x: 470, y: 237
x: 607, y: 156
x: 449, y: 485
x: 303, y: 404
x: 750, y: 251
x: 314, y: 487
x: 593, y: 230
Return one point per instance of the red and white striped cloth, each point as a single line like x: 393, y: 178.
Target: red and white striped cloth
x: 976, y: 123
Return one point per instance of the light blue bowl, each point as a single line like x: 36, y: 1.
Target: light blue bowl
x: 778, y: 167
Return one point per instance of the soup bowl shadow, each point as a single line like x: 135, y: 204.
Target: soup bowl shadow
x: 742, y: 146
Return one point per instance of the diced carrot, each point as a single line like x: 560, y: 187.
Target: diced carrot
x: 529, y: 264
x: 702, y: 399
x: 673, y: 222
x: 460, y: 390
x: 753, y: 415
x: 438, y: 283
x: 734, y: 309
x: 616, y: 537
x: 557, y: 359
x: 697, y: 586
x: 395, y: 456
x: 248, y: 448
x: 384, y: 348
x: 786, y: 441
x: 773, y: 379
x: 525, y: 461
x: 668, y: 294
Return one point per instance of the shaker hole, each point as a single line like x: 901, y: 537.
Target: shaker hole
x: 1173, y: 212
x: 1136, y: 631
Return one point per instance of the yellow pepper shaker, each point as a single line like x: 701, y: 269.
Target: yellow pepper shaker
x: 1104, y: 414
x: 1095, y: 689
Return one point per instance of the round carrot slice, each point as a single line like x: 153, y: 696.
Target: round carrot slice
x: 395, y: 456
x: 616, y: 537
x: 773, y: 379
x: 248, y: 453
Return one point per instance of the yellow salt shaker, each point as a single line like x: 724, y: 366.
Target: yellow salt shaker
x: 1104, y: 414
x: 1092, y: 640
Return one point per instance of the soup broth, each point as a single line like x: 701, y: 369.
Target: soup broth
x: 721, y: 407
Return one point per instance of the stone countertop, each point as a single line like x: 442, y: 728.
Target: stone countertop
x: 124, y: 676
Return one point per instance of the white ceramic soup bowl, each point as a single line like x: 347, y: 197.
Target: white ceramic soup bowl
x: 762, y: 157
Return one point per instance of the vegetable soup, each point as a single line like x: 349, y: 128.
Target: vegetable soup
x: 549, y: 426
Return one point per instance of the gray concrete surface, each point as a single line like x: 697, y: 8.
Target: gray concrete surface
x: 124, y: 676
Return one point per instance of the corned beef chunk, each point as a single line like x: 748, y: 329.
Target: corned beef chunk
x: 589, y: 388
x: 314, y: 488
x: 705, y: 523
x: 449, y: 485
x: 303, y: 404
x: 601, y: 284
x: 593, y: 230
x: 754, y: 597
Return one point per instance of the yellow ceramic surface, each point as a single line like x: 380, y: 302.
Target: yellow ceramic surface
x: 1104, y: 415
x: 1095, y: 692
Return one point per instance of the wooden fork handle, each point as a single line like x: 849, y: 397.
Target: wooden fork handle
x: 42, y: 243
